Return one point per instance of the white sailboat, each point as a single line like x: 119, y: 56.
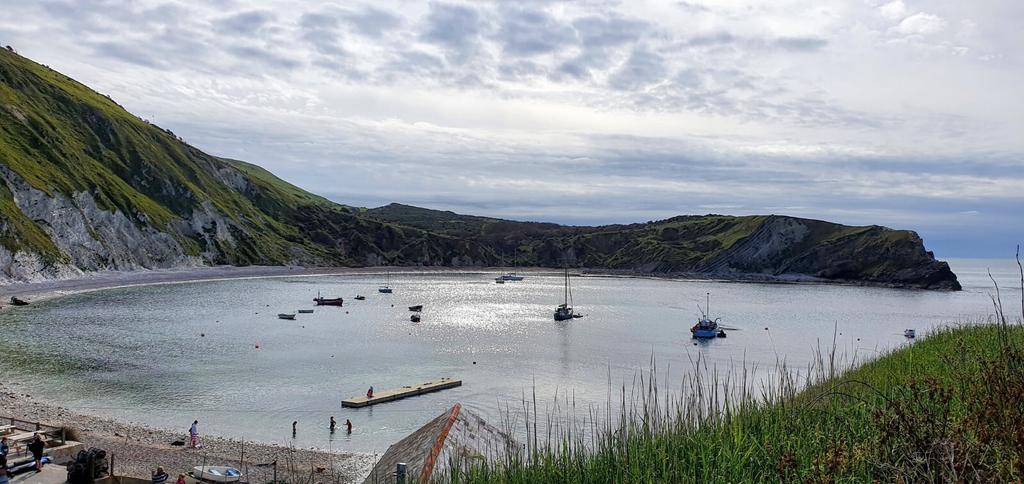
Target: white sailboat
x: 513, y: 276
x: 564, y: 311
x: 386, y: 288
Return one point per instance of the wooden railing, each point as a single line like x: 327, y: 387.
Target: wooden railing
x: 17, y: 428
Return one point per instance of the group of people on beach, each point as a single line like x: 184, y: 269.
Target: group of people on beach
x: 36, y: 447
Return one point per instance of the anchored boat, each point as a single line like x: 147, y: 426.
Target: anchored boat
x: 286, y: 316
x: 386, y: 288
x: 328, y: 301
x: 705, y: 327
x: 564, y: 311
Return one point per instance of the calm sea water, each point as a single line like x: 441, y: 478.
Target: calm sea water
x: 165, y: 355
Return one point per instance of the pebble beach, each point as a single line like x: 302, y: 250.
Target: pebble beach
x: 137, y: 449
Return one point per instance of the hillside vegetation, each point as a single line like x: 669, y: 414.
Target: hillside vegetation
x: 89, y: 186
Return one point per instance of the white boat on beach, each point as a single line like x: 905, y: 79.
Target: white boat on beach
x: 216, y: 474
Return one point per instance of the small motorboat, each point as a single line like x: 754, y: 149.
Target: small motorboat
x: 328, y: 301
x: 417, y: 308
x: 415, y: 318
x: 216, y: 474
x: 360, y: 298
x: 286, y: 316
x: 910, y: 333
x: 305, y: 311
x: 18, y: 302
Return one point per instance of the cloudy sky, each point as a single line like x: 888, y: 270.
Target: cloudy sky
x: 902, y: 113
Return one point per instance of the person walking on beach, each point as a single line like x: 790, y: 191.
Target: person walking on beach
x: 348, y: 426
x: 333, y: 423
x: 36, y: 448
x: 4, y: 448
x: 193, y: 435
x: 160, y: 477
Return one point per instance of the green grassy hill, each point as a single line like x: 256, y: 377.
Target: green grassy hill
x: 89, y: 186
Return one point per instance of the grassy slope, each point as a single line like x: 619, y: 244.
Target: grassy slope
x: 62, y: 137
x: 949, y: 407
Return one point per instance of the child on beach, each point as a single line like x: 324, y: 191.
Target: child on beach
x: 181, y: 479
x: 160, y: 476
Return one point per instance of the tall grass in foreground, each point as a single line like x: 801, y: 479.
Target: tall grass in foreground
x: 948, y: 408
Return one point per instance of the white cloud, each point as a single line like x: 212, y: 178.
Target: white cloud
x: 893, y: 11
x: 921, y: 24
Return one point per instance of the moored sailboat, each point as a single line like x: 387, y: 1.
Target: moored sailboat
x: 386, y: 288
x: 564, y: 311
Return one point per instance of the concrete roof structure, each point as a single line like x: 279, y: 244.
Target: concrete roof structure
x: 456, y: 437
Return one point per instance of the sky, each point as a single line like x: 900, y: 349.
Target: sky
x: 901, y: 113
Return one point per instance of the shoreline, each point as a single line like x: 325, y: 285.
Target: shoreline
x: 97, y: 281
x: 137, y: 449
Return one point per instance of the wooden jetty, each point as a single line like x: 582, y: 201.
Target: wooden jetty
x: 400, y: 393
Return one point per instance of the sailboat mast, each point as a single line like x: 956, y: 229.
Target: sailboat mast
x: 707, y: 306
x: 566, y: 286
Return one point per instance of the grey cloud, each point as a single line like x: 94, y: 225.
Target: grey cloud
x: 532, y: 32
x: 372, y: 22
x: 131, y: 53
x: 597, y: 31
x: 599, y: 37
x: 245, y: 23
x: 714, y: 38
x: 520, y: 69
x: 263, y: 56
x: 454, y: 27
x: 415, y: 63
x: 321, y: 30
x: 318, y: 21
x: 802, y: 44
x: 641, y: 69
